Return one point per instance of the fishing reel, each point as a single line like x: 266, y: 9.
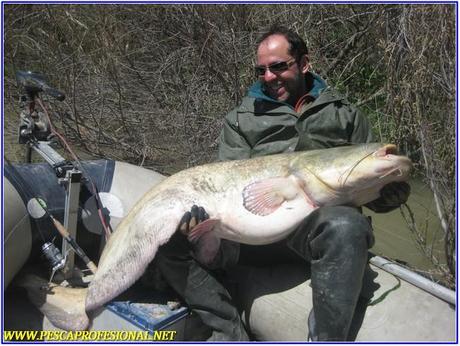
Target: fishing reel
x: 54, y: 257
x: 33, y: 124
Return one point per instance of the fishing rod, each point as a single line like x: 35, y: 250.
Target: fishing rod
x: 66, y: 235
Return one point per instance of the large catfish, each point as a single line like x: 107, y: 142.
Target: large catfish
x: 253, y: 201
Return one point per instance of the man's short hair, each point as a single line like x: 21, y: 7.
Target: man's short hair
x: 297, y: 46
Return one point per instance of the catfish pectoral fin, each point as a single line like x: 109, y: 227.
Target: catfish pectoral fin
x: 265, y: 196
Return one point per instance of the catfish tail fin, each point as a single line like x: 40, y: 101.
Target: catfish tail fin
x: 63, y: 306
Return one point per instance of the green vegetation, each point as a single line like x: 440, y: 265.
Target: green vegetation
x: 150, y: 84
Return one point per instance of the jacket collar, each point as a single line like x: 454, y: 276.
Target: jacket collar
x: 256, y: 90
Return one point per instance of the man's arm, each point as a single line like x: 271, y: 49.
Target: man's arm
x: 232, y: 144
x: 362, y: 131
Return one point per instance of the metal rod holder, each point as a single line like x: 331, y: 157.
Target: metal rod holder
x: 72, y: 185
x: 72, y: 182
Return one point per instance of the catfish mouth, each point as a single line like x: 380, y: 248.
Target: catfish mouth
x: 387, y: 162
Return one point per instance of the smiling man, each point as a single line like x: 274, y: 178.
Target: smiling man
x: 289, y: 108
x: 281, y: 72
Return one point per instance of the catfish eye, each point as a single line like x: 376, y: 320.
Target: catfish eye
x: 389, y: 149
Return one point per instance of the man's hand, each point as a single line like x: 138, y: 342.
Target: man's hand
x: 192, y: 218
x: 229, y: 251
x: 391, y: 197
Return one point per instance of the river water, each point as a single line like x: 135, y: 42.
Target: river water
x: 393, y: 237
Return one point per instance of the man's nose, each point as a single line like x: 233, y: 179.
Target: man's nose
x: 269, y: 75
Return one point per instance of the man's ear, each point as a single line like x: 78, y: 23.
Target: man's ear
x: 304, y: 64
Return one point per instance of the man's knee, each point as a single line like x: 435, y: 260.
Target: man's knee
x: 345, y: 224
x: 331, y: 226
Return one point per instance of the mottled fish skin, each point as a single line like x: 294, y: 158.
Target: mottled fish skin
x: 256, y: 201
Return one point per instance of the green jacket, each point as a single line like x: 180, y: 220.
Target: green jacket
x: 261, y: 125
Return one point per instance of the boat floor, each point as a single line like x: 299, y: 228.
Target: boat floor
x: 275, y: 302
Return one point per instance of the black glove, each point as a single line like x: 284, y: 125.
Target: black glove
x: 192, y: 218
x: 391, y: 197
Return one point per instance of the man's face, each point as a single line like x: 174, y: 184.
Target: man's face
x: 288, y: 85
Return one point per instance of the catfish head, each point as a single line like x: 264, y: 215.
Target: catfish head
x: 350, y: 175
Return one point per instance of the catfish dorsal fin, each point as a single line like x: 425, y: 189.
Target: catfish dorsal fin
x: 265, y: 196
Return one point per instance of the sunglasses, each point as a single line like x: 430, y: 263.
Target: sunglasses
x: 276, y: 67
